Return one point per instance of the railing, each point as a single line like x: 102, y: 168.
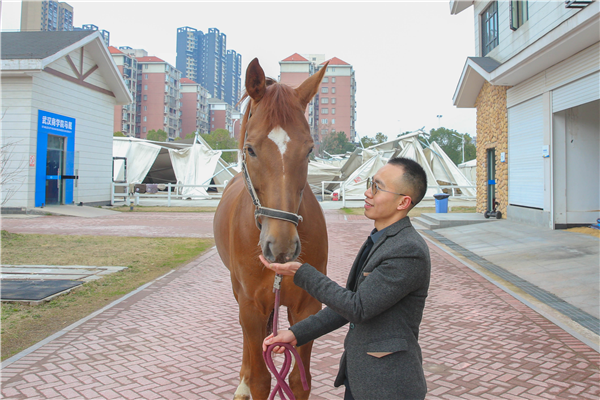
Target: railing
x: 134, y: 198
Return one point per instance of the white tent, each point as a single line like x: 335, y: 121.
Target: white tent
x: 194, y: 165
x: 183, y: 163
x: 469, y: 169
x: 440, y: 169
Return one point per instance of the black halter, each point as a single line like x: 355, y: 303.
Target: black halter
x: 259, y: 209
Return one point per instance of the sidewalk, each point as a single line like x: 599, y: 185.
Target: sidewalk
x: 179, y: 336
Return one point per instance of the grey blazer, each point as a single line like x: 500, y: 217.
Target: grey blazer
x: 382, y: 358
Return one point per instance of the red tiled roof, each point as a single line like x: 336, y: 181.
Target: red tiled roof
x: 295, y: 57
x: 114, y: 50
x: 186, y: 80
x: 150, y: 59
x: 336, y: 61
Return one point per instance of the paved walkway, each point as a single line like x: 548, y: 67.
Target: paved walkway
x: 173, y: 340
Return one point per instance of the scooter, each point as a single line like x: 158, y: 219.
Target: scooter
x: 494, y: 213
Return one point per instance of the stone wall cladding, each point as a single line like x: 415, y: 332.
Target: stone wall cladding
x: 492, y: 132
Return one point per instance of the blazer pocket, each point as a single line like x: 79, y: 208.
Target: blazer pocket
x: 386, y: 347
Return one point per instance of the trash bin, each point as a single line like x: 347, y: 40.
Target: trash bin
x: 441, y: 202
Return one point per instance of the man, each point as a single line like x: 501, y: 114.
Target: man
x: 384, y: 296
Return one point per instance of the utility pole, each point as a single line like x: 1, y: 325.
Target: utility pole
x: 439, y: 117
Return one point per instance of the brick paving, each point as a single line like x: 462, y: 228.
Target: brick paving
x: 179, y: 338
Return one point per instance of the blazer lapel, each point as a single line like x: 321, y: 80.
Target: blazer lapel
x: 351, y: 282
x: 392, y: 230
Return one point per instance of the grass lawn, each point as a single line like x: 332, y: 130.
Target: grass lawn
x: 146, y: 258
x: 415, y: 212
x: 164, y: 209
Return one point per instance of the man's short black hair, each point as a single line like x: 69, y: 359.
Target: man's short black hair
x: 414, y: 177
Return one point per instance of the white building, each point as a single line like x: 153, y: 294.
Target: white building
x: 545, y: 55
x: 59, y: 90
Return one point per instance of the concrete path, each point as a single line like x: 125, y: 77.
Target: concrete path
x: 178, y: 337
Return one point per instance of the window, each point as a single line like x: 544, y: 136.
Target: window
x: 324, y: 111
x: 333, y: 110
x: 489, y: 28
x: 145, y: 76
x: 144, y: 129
x: 332, y: 90
x: 333, y: 100
x: 333, y: 79
x: 145, y: 118
x: 333, y: 121
x: 145, y: 87
x: 324, y: 121
x: 324, y: 100
x: 145, y: 97
x: 519, y: 14
x: 324, y: 90
x: 325, y: 80
x: 146, y: 108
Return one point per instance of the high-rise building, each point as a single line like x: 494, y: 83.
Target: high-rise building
x: 337, y: 99
x: 91, y: 27
x: 158, y: 93
x: 194, y: 108
x: 125, y: 116
x: 46, y: 15
x: 220, y: 115
x: 333, y: 109
x: 203, y: 58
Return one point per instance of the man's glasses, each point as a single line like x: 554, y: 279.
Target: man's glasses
x: 371, y: 184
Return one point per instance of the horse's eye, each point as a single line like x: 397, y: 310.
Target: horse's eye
x: 309, y: 152
x: 251, y: 151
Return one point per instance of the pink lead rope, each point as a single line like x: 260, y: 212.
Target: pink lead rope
x: 280, y: 375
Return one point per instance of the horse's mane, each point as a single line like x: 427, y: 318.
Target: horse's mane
x: 279, y: 105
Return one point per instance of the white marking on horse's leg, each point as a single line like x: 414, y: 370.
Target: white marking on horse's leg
x: 242, y: 392
x: 281, y: 139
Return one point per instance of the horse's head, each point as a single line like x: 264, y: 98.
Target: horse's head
x: 276, y: 143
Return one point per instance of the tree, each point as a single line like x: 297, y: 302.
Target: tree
x: 367, y: 141
x: 380, y: 137
x: 157, y: 136
x: 119, y: 134
x: 335, y: 143
x: 221, y: 139
x: 451, y: 142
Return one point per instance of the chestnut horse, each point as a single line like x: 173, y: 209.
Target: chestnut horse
x: 275, y: 144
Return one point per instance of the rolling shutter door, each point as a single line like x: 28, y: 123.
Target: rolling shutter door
x: 576, y: 93
x: 525, y: 162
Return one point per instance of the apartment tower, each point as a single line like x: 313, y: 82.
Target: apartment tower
x: 46, y: 15
x: 125, y: 116
x: 194, y: 108
x: 204, y: 58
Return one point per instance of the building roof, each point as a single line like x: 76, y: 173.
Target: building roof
x: 187, y: 80
x: 114, y: 50
x: 150, y: 59
x: 295, y: 57
x: 335, y: 61
x: 37, y: 45
x: 35, y: 52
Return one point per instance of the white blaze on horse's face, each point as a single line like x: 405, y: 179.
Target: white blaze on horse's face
x: 281, y: 139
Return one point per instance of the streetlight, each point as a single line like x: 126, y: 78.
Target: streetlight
x: 463, y: 144
x: 439, y: 117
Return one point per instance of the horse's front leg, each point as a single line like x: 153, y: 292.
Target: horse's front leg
x: 255, y: 378
x: 309, y: 307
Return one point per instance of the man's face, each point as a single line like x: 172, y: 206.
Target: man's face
x: 383, y: 206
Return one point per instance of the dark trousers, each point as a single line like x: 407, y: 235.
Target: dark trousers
x: 348, y: 393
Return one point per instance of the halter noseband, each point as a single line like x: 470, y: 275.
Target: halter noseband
x: 259, y: 209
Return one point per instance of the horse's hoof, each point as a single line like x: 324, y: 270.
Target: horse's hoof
x: 241, y: 397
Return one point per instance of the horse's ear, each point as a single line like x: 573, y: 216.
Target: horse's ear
x: 310, y: 87
x: 255, y: 81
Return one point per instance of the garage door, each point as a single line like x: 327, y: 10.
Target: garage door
x: 576, y: 93
x: 525, y: 162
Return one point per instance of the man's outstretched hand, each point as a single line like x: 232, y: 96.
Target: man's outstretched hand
x: 288, y: 268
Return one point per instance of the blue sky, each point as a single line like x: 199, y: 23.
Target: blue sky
x: 407, y: 55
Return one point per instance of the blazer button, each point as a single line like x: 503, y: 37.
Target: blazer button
x: 351, y: 325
